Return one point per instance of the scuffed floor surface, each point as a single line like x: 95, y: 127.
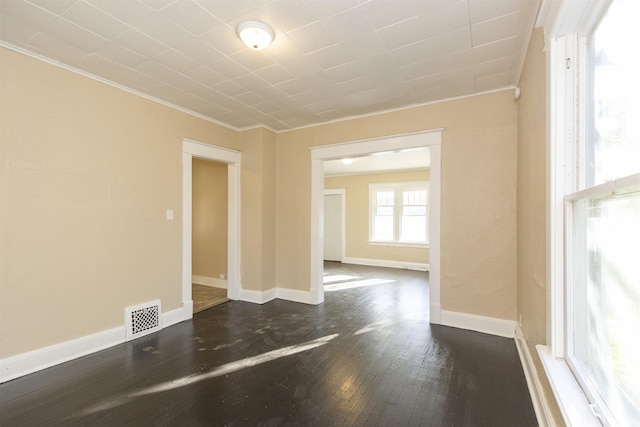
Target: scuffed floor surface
x: 367, y: 356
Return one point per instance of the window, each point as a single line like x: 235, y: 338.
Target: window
x: 599, y: 183
x: 399, y: 213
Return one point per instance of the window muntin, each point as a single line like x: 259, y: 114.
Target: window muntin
x: 399, y: 213
x: 603, y: 222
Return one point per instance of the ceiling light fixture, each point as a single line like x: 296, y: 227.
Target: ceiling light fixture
x: 347, y: 161
x: 256, y: 35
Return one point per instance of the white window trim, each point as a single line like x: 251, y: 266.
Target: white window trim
x: 566, y: 24
x: 373, y: 187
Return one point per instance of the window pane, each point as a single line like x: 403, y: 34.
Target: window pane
x: 413, y: 229
x: 613, y: 148
x: 384, y: 211
x: 383, y: 228
x: 384, y: 198
x: 414, y: 197
x: 414, y: 210
x: 606, y: 299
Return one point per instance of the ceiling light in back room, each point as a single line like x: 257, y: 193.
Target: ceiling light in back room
x: 256, y: 35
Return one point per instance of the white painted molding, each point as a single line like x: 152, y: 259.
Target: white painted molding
x: 294, y: 295
x: 384, y: 263
x: 36, y: 360
x: 540, y: 404
x: 213, y: 282
x: 472, y: 322
x: 435, y: 314
x: 257, y: 297
x: 46, y: 357
x: 172, y: 317
x: 572, y: 401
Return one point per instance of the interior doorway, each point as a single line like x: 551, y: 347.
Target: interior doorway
x: 334, y: 224
x: 209, y: 233
x: 198, y: 150
x: 320, y: 154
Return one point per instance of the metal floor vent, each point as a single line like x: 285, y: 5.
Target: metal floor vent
x: 142, y: 319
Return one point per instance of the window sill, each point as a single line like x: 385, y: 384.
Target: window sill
x: 573, y: 404
x: 401, y: 244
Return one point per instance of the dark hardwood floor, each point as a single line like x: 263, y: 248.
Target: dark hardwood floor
x: 367, y: 356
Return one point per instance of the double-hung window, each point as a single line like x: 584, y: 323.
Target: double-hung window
x: 399, y: 213
x: 597, y: 179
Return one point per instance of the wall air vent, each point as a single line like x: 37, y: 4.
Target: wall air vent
x: 142, y: 319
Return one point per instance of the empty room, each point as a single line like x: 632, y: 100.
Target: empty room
x: 410, y: 212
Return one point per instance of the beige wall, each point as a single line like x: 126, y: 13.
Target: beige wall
x: 478, y: 253
x: 357, y: 216
x: 87, y: 174
x: 258, y: 195
x: 209, y: 224
x: 532, y: 207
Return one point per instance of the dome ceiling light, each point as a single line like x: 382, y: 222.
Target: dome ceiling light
x: 256, y: 35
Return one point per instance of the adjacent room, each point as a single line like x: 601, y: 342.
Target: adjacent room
x: 305, y: 212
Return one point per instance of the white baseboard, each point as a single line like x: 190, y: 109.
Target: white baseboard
x: 540, y: 406
x: 257, y: 297
x: 294, y: 295
x: 472, y: 322
x: 27, y: 363
x: 36, y: 360
x: 384, y: 263
x: 209, y: 281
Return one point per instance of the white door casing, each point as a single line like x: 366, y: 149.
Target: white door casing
x: 232, y: 158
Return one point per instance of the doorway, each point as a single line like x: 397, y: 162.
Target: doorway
x: 209, y: 233
x: 190, y: 150
x: 320, y: 154
x: 334, y: 224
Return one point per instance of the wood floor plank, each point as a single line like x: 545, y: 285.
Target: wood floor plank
x: 367, y: 356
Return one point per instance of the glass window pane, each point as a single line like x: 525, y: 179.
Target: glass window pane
x: 606, y: 299
x: 613, y: 148
x: 414, y: 210
x: 383, y: 228
x: 384, y: 198
x: 413, y: 229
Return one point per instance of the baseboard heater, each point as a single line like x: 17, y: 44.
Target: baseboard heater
x: 142, y: 319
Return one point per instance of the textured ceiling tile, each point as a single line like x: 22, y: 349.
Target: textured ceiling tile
x: 483, y: 10
x: 94, y: 20
x: 493, y: 67
x: 163, y: 30
x: 385, y: 13
x: 349, y: 25
x: 204, y: 75
x: 190, y: 16
x: 15, y: 32
x: 130, y: 12
x: 456, y: 41
x: 140, y: 43
x: 200, y: 51
x: 75, y: 35
x: 156, y: 70
x: 274, y: 74
x: 117, y: 53
x: 177, y: 61
x: 493, y: 81
x: 445, y: 17
x: 312, y: 37
x: 54, y: 48
x: 100, y: 66
x: 495, y: 50
x: 157, y: 4
x: 227, y: 10
x: 330, y: 57
x: 251, y: 59
x: 21, y: 11
x: 55, y: 6
x: 496, y: 29
x: 403, y: 33
x: 327, y: 8
x: 289, y: 14
x: 411, y: 54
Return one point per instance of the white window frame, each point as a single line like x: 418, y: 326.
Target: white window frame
x: 567, y: 28
x: 397, y: 188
